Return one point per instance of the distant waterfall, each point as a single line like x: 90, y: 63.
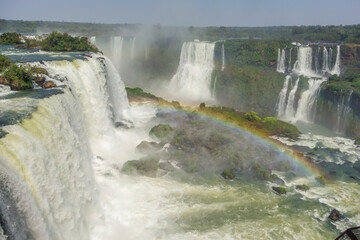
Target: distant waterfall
x: 343, y: 111
x: 292, y: 108
x: 289, y: 111
x: 289, y: 67
x: 325, y: 67
x: 93, y: 40
x: 223, y: 57
x: 307, y: 100
x: 192, y: 80
x: 303, y: 65
x: 281, y: 61
x: 132, y: 50
x: 214, y: 88
x: 117, y: 46
x: 336, y: 68
x: 282, y: 97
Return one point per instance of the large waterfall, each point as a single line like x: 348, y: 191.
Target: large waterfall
x: 46, y: 160
x: 192, y: 80
x: 223, y: 57
x: 306, y: 68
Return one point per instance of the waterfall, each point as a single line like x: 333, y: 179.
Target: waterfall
x: 223, y: 57
x: 330, y: 57
x: 303, y: 65
x: 343, y: 110
x: 117, y: 46
x: 325, y: 67
x: 132, y: 51
x: 192, y: 80
x: 289, y: 67
x: 336, y: 69
x: 282, y: 97
x: 307, y: 100
x: 290, y: 108
x: 46, y: 160
x: 93, y: 40
x: 281, y: 61
x: 214, y: 88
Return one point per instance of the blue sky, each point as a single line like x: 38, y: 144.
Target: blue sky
x: 186, y: 12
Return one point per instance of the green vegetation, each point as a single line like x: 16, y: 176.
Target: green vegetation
x: 302, y: 187
x: 260, y: 173
x: 280, y: 190
x: 10, y: 38
x: 228, y: 174
x: 134, y: 93
x: 57, y: 42
x: 252, y: 121
x: 17, y: 77
x: 202, y: 105
x: 249, y: 81
x: 357, y: 141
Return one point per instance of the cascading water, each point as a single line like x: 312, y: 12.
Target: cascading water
x: 192, y: 80
x: 336, y: 69
x: 343, y: 111
x: 289, y: 67
x: 132, y: 50
x: 93, y: 40
x: 307, y: 100
x: 281, y: 61
x: 282, y: 97
x: 325, y: 67
x: 117, y: 47
x: 223, y: 57
x: 315, y: 77
x: 51, y: 180
x: 290, y: 108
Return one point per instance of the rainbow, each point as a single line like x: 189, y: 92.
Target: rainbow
x: 295, y: 157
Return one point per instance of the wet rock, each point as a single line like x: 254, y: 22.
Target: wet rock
x: 39, y: 80
x: 302, y: 187
x: 147, y: 166
x: 335, y: 215
x: 40, y: 71
x: 279, y: 190
x: 167, y: 166
x: 149, y: 147
x: 59, y: 77
x: 49, y: 84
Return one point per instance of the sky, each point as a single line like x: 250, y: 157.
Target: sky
x: 187, y: 12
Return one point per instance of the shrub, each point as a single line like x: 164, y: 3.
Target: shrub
x: 252, y: 116
x: 64, y: 42
x: 10, y: 38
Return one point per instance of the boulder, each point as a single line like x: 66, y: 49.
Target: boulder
x: 335, y: 215
x: 49, y: 84
x: 39, y: 80
x: 147, y: 166
x: 167, y: 166
x: 149, y: 147
x: 302, y: 187
x: 279, y: 190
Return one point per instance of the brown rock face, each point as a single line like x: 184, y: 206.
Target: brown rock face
x: 49, y: 84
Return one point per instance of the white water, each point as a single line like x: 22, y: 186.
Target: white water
x: 289, y: 67
x: 132, y: 50
x: 343, y: 111
x: 93, y: 40
x: 281, y: 61
x: 223, y: 57
x: 303, y: 67
x: 117, y: 48
x: 282, y: 97
x: 307, y: 100
x: 325, y: 67
x: 192, y: 80
x: 336, y: 69
x: 290, y: 108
